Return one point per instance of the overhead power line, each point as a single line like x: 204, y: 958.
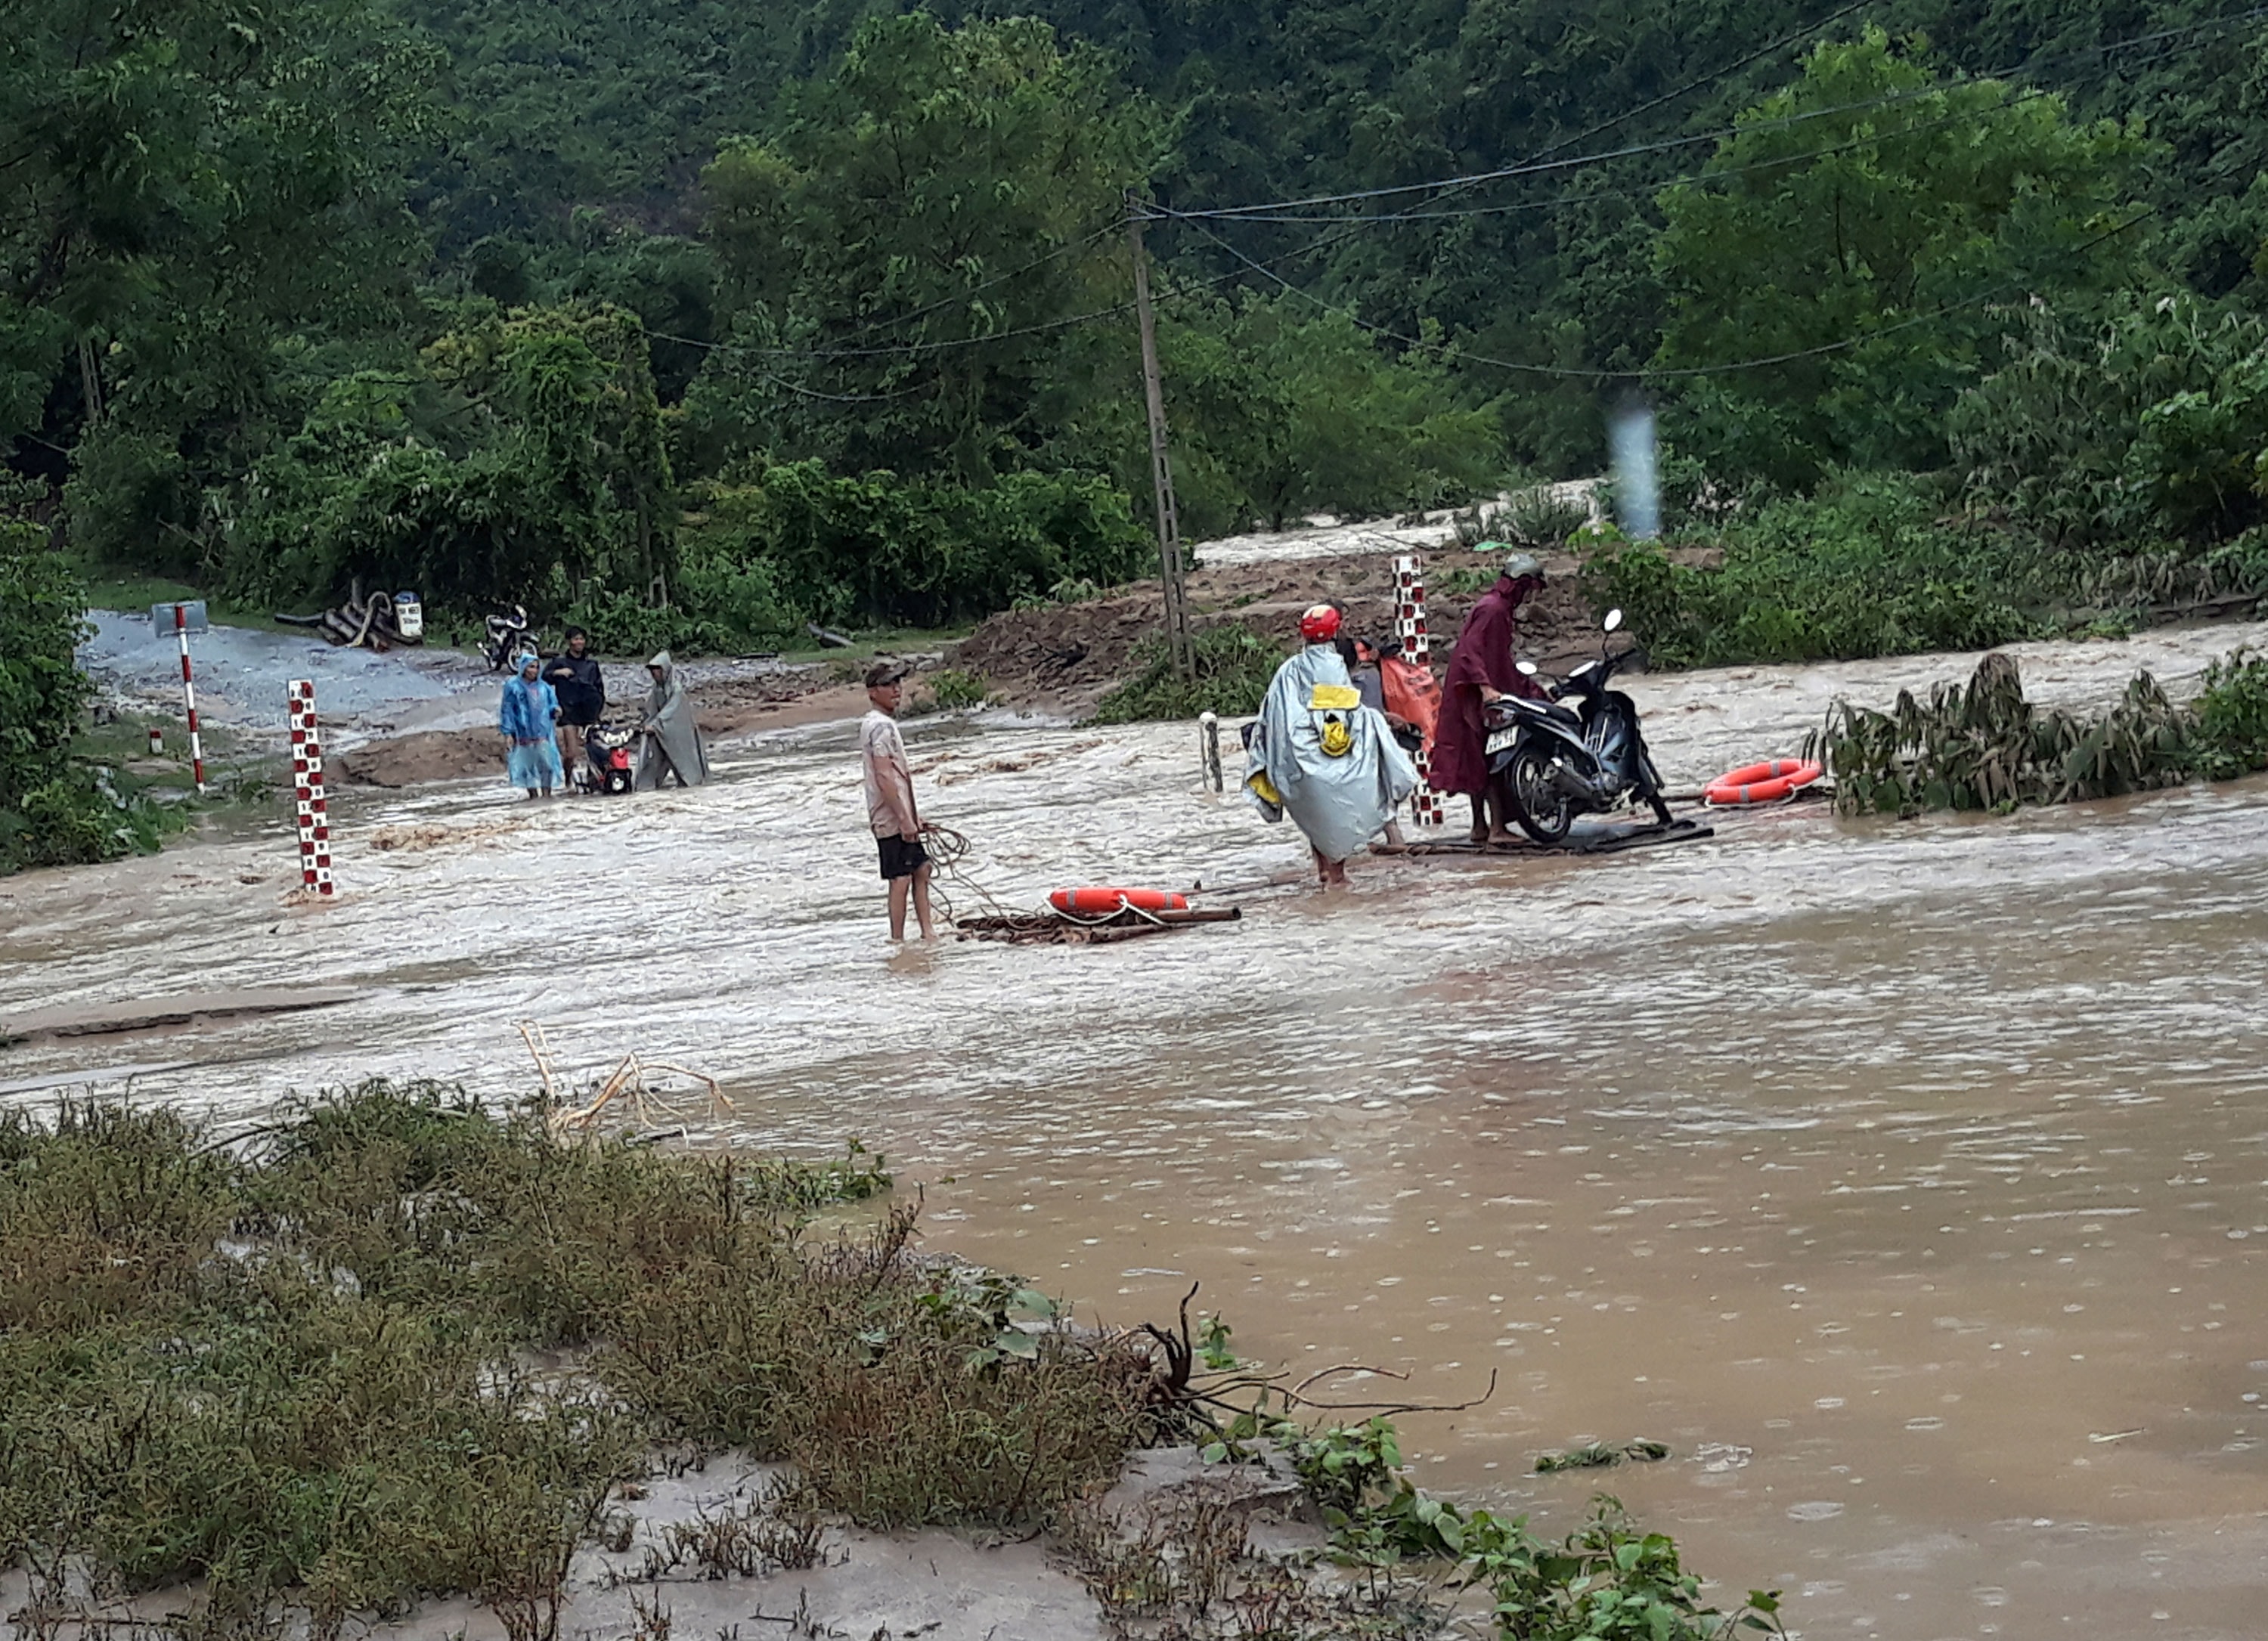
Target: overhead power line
x: 1710, y: 78
x: 1658, y: 372
x: 1270, y: 210
x: 1351, y: 224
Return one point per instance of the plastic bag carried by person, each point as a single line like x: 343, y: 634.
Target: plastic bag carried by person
x: 1411, y: 692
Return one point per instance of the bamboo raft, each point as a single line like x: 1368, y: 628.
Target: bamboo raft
x: 1058, y: 929
x: 1611, y: 842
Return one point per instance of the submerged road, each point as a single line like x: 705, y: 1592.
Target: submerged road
x: 1909, y: 1179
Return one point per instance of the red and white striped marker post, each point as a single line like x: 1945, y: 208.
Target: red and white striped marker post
x: 1425, y: 807
x: 307, y: 787
x: 189, y: 698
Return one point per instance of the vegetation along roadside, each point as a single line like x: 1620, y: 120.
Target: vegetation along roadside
x: 396, y: 1345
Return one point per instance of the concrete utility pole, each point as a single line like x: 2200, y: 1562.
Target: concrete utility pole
x: 1161, y: 467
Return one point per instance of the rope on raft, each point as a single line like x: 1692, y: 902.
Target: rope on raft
x: 948, y: 849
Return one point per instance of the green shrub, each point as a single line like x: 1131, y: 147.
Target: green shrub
x: 2144, y: 421
x: 955, y: 690
x: 883, y: 549
x: 55, y: 809
x: 130, y: 500
x: 2232, y: 715
x: 1864, y: 570
x: 42, y: 617
x: 1986, y: 746
x: 1234, y: 666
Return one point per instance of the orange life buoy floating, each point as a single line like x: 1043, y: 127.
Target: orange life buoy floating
x: 1099, y: 902
x: 1761, y: 783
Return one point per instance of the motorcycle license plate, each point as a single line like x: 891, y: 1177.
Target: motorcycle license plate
x: 1500, y: 739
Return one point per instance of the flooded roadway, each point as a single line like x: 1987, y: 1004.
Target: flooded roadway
x: 1908, y: 1178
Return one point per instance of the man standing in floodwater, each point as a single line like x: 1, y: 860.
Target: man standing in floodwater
x: 574, y: 677
x: 890, y: 811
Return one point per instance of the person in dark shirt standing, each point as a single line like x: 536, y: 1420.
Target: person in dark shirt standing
x: 574, y: 677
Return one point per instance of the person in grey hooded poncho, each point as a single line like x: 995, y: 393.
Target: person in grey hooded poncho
x: 1321, y: 756
x: 669, y: 741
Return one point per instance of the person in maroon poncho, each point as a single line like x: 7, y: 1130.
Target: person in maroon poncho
x: 1481, y: 669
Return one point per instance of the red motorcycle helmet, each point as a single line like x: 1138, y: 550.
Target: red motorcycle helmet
x: 1319, y: 624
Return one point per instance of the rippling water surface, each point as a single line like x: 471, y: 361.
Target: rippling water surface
x: 1910, y: 1180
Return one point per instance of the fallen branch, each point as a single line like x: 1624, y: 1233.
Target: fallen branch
x: 1295, y: 1396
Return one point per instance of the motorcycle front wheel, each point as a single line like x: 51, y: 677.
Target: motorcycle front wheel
x: 1543, y: 810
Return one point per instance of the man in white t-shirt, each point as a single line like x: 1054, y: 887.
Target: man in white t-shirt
x: 890, y: 809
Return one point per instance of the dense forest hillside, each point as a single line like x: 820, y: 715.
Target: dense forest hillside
x: 695, y: 321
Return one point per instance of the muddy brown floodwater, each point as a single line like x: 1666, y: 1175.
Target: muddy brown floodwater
x: 1910, y: 1180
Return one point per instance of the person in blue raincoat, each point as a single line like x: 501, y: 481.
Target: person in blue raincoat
x: 525, y: 718
x: 1321, y: 756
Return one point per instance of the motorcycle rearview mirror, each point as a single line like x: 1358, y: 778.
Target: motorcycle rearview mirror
x: 1614, y: 620
x: 1527, y: 668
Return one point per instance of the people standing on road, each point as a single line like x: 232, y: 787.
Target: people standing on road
x: 669, y: 740
x: 575, y: 679
x: 527, y: 719
x: 1321, y: 756
x: 890, y: 811
x: 1481, y: 669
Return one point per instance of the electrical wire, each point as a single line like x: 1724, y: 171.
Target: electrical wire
x: 1710, y: 78
x: 1118, y: 221
x: 800, y: 391
x: 1268, y: 211
x: 1349, y: 224
x: 1656, y: 373
x: 1655, y: 185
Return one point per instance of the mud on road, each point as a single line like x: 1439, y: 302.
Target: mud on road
x: 1064, y: 657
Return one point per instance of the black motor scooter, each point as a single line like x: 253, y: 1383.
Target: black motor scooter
x: 509, y: 635
x: 1554, y: 761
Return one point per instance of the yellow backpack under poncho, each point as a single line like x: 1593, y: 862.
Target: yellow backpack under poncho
x: 1335, y: 702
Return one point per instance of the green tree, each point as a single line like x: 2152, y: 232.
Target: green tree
x: 184, y: 185
x: 908, y: 252
x: 2144, y: 422
x: 525, y: 459
x: 1279, y: 410
x: 1862, y: 219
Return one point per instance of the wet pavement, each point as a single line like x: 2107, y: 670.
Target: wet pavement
x: 1910, y: 1180
x: 242, y: 674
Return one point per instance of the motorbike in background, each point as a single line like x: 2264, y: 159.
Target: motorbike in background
x: 1554, y: 762
x: 509, y: 635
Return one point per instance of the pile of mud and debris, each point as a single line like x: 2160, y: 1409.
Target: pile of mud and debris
x: 1066, y: 656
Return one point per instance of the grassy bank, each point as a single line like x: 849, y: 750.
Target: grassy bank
x: 312, y: 1370
x: 397, y: 1346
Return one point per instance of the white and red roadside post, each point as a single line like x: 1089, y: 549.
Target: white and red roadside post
x: 1426, y: 806
x: 307, y: 789
x: 188, y: 700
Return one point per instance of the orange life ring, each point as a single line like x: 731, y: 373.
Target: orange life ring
x: 1100, y: 902
x: 1761, y: 783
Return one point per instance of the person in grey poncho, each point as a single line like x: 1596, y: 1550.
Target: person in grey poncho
x: 669, y: 741
x: 1321, y: 756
